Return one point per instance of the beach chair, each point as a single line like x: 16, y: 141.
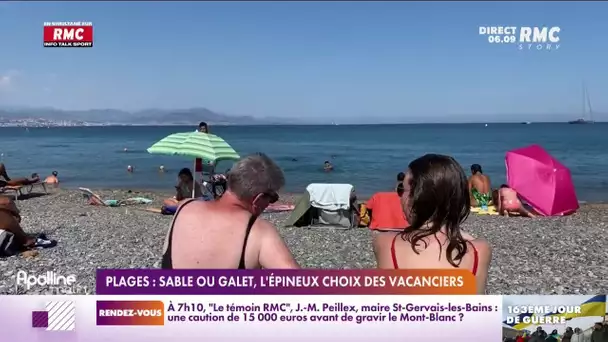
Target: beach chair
x: 95, y: 199
x: 20, y: 190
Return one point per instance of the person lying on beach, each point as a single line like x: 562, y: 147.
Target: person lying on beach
x: 10, y: 221
x: 229, y: 233
x: 509, y: 203
x: 327, y: 167
x: 480, y: 187
x: 435, y: 202
x: 52, y: 179
x: 183, y: 189
x: 5, y: 180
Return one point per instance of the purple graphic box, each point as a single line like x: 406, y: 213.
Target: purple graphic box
x: 40, y: 319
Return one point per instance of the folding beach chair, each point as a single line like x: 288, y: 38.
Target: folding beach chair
x: 20, y: 190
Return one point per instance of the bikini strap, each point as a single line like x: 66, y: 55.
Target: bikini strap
x: 393, y: 255
x: 167, y: 260
x: 249, y: 226
x: 475, y: 259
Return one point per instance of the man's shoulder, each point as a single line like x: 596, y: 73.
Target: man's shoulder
x: 192, y: 207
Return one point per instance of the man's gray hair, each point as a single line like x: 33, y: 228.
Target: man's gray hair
x: 253, y: 175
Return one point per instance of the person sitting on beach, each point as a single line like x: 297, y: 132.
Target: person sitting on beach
x: 384, y: 210
x: 508, y: 203
x: 480, y: 187
x: 435, y: 202
x: 10, y: 221
x: 52, y: 179
x: 183, y: 189
x: 5, y: 180
x: 327, y: 167
x: 229, y: 233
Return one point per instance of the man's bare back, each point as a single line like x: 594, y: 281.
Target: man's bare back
x: 228, y: 233
x: 212, y: 235
x: 480, y: 182
x: 480, y: 188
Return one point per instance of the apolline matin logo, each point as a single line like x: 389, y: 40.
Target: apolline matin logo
x: 50, y: 281
x: 524, y: 37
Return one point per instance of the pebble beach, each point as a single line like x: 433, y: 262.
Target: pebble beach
x: 562, y: 255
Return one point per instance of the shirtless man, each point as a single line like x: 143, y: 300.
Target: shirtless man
x: 6, y: 180
x: 10, y: 221
x: 480, y: 188
x: 228, y: 233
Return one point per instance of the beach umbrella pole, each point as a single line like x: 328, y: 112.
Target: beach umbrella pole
x: 194, y: 176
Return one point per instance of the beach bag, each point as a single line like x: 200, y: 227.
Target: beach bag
x: 8, y: 245
x: 364, y: 218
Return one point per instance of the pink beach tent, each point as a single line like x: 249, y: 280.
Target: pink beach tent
x: 541, y: 180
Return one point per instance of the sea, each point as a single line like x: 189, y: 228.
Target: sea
x: 367, y: 156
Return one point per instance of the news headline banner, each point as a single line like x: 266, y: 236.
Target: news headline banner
x: 260, y: 318
x: 284, y: 282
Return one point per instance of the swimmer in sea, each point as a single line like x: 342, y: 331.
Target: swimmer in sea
x: 203, y: 127
x: 130, y: 169
x: 161, y: 169
x: 327, y: 167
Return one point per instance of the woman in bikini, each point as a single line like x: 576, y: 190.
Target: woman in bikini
x: 435, y: 202
x: 509, y: 203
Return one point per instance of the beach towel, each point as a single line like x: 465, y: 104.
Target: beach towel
x: 491, y: 210
x: 277, y: 208
x: 330, y: 196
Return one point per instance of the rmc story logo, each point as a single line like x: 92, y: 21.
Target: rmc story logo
x: 524, y: 37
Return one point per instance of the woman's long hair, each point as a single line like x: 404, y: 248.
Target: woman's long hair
x: 438, y: 197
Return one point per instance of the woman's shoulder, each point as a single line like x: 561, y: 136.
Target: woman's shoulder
x: 384, y: 239
x: 480, y: 244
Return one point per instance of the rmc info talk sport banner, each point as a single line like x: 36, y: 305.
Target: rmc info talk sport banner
x: 302, y: 305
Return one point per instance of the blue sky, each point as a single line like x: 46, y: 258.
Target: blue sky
x: 346, y: 61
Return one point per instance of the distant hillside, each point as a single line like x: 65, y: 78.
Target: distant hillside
x: 143, y: 117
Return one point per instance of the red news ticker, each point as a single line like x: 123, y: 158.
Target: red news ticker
x: 68, y: 36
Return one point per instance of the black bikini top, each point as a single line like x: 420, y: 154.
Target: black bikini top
x: 167, y: 262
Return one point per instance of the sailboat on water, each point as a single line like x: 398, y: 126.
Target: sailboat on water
x: 586, y: 105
